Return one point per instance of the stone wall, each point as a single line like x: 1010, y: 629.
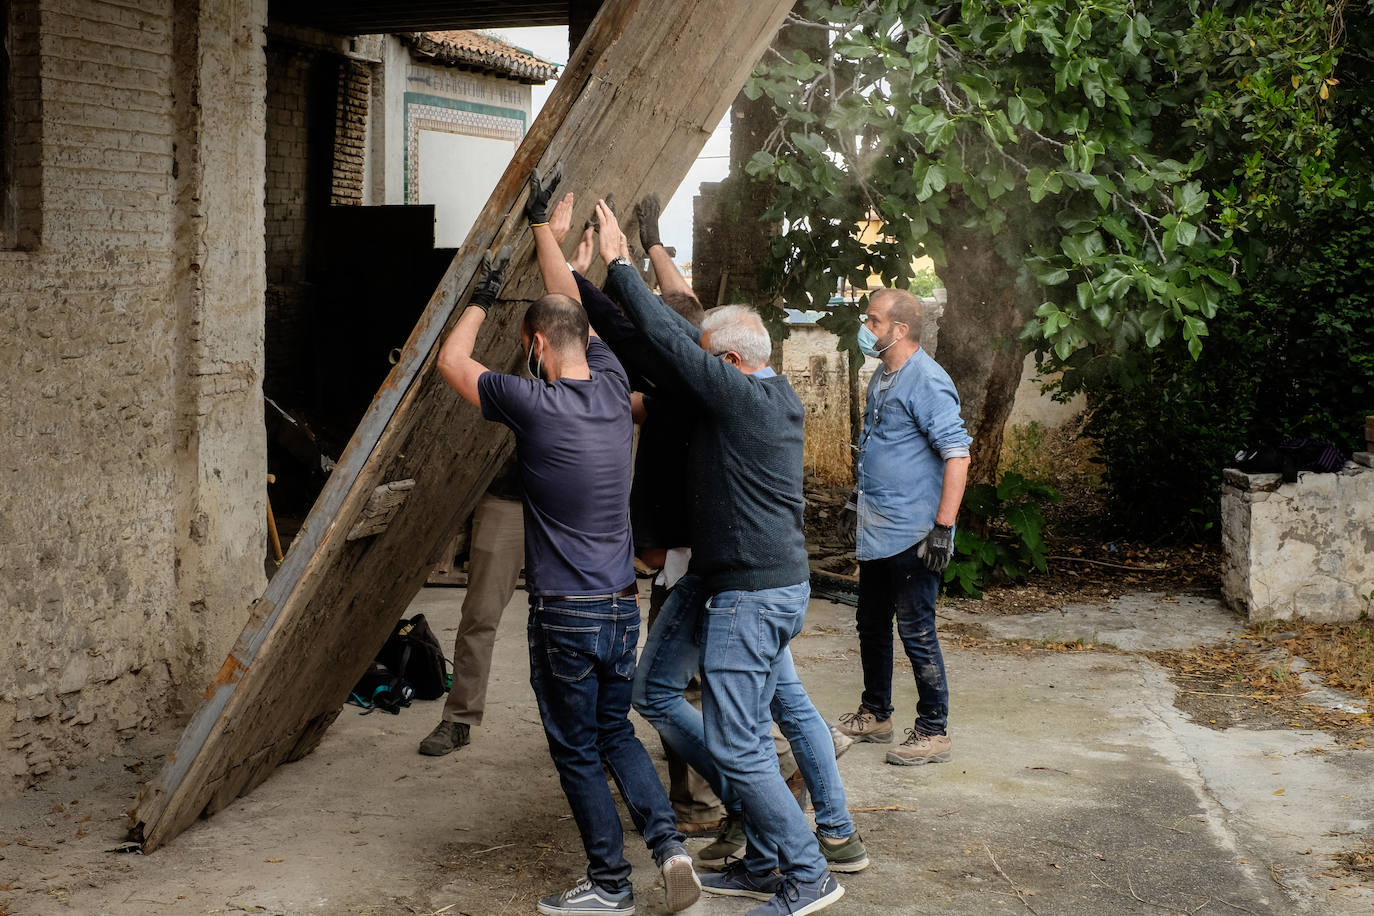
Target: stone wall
x: 1299, y: 550
x: 131, y: 348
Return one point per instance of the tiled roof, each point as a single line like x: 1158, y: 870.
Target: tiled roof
x: 480, y: 51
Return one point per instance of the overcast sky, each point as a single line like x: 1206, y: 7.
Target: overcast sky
x: 551, y: 43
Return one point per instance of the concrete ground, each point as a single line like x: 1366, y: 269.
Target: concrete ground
x: 1076, y: 787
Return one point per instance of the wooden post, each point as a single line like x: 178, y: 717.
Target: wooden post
x: 631, y: 111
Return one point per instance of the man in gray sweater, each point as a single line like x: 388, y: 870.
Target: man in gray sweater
x: 746, y: 590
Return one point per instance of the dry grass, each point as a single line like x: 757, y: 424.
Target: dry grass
x: 826, y: 453
x: 1343, y: 653
x: 1253, y: 680
x: 1062, y: 458
x: 1360, y: 860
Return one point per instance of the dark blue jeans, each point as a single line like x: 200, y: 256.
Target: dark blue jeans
x: 582, y: 668
x: 903, y: 587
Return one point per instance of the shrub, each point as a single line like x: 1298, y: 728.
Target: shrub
x: 1001, y: 536
x: 1291, y: 355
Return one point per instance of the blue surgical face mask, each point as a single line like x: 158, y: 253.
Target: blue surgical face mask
x: 868, y: 342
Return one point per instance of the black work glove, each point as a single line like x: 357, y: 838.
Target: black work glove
x: 647, y: 212
x: 847, y: 528
x: 491, y: 276
x: 937, y: 548
x: 541, y: 193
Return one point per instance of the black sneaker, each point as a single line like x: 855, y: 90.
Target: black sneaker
x: 736, y: 881
x: 797, y: 898
x: 446, y: 738
x: 586, y: 899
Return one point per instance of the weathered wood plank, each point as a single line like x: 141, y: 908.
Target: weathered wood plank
x: 381, y: 508
x: 630, y: 113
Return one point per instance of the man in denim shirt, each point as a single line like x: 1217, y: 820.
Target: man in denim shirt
x: 911, y: 469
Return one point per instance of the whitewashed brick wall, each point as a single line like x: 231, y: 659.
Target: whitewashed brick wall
x: 130, y: 347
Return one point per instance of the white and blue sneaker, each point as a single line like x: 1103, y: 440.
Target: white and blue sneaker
x: 797, y: 898
x: 737, y: 881
x: 681, y: 886
x: 586, y: 899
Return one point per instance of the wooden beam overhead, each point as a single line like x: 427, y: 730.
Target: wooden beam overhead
x: 628, y: 116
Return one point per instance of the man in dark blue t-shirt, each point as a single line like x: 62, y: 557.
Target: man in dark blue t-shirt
x: 573, y: 431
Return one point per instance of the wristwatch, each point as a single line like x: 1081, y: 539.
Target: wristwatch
x: 620, y: 260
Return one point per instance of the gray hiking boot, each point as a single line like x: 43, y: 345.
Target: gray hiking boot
x: 446, y: 738
x: 729, y: 842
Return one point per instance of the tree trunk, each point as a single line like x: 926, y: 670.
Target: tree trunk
x: 980, y: 345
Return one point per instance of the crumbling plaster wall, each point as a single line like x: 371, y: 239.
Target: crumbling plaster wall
x: 1298, y: 550
x: 132, y: 451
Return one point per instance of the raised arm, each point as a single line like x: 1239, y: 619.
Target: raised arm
x: 677, y: 342
x: 670, y: 279
x: 547, y: 239
x: 455, y: 361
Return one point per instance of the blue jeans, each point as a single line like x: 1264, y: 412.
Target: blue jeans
x: 582, y: 666
x: 901, y: 585
x: 739, y: 642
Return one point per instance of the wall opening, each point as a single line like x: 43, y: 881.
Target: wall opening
x: 21, y: 121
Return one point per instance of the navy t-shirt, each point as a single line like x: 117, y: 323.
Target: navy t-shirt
x: 572, y: 443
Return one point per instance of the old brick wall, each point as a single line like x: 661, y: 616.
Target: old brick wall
x: 317, y: 122
x: 131, y: 347
x: 350, y: 133
x: 287, y: 207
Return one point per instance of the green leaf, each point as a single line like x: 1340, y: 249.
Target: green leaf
x: 932, y: 180
x: 760, y: 164
x: 1084, y: 295
x: 1051, y: 276
x: 1016, y: 109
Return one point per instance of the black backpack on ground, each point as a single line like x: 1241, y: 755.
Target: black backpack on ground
x: 379, y: 688
x: 413, y: 653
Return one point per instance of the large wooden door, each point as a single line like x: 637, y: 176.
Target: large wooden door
x: 644, y: 90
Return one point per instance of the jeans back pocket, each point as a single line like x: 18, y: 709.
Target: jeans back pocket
x: 571, y: 650
x: 629, y: 651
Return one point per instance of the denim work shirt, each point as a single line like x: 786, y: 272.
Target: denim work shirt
x: 911, y: 427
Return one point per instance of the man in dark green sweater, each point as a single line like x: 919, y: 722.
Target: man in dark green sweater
x: 746, y: 590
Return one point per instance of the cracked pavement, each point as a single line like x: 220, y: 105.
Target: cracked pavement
x: 1076, y: 787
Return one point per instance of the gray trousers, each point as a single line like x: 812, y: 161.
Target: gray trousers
x: 494, y: 561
